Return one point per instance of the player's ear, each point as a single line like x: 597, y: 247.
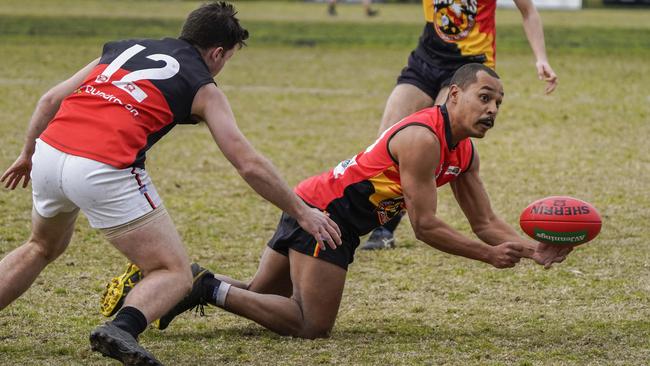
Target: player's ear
x: 211, y: 55
x: 216, y: 52
x: 454, y: 93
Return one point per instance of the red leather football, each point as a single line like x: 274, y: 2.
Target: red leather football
x: 561, y: 220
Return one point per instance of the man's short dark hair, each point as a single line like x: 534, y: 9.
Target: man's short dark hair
x: 214, y: 25
x: 466, y: 74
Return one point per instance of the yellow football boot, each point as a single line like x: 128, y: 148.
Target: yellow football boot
x: 117, y: 289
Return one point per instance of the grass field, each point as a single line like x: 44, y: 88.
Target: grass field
x: 309, y: 92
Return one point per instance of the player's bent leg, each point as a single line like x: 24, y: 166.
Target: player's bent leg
x: 312, y: 309
x: 155, y: 247
x: 273, y: 275
x: 157, y: 250
x: 48, y: 240
x: 318, y: 287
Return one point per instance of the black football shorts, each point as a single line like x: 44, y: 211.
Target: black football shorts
x: 289, y: 235
x: 425, y: 76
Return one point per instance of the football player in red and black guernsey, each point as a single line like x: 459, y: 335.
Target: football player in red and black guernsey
x: 298, y: 286
x: 456, y: 32
x: 85, y: 150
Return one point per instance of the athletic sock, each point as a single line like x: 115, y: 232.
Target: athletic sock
x: 131, y: 320
x: 215, y: 291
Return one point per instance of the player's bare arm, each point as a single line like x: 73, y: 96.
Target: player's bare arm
x: 417, y: 151
x: 211, y: 105
x: 488, y: 226
x: 46, y: 108
x: 473, y: 199
x: 535, y: 33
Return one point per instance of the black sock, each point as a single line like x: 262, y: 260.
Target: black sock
x: 131, y: 320
x: 210, y: 286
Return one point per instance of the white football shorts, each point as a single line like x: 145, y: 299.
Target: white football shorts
x: 107, y: 196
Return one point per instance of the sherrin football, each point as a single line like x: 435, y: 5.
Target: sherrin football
x: 561, y: 220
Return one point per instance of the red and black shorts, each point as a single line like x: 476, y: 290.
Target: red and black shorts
x: 289, y: 235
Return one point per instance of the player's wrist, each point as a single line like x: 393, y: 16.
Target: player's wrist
x: 300, y: 210
x: 486, y: 255
x: 28, y: 150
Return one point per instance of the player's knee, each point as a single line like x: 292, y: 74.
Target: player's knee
x: 44, y: 249
x: 314, y: 331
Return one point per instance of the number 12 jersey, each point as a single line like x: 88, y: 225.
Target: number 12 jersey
x: 138, y: 92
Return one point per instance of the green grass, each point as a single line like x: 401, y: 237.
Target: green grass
x: 595, y: 38
x: 308, y: 105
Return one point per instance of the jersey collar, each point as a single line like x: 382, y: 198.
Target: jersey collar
x: 448, y: 137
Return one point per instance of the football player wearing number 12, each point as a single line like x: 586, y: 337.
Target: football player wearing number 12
x: 85, y: 149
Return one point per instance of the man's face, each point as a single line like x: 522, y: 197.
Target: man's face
x: 479, y: 103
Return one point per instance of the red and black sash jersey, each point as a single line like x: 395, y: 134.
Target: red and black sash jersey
x: 139, y: 90
x: 366, y: 192
x: 458, y: 32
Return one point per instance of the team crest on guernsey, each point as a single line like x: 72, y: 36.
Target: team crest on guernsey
x: 454, y: 19
x: 389, y: 208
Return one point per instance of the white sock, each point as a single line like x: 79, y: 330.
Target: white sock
x: 220, y: 293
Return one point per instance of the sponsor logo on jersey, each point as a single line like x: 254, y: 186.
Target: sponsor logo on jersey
x: 453, y: 170
x: 89, y: 89
x: 340, y: 169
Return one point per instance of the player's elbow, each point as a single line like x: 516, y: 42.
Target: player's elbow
x: 49, y: 100
x: 422, y: 229
x: 421, y: 235
x: 249, y: 169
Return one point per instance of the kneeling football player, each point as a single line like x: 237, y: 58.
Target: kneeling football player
x: 298, y: 287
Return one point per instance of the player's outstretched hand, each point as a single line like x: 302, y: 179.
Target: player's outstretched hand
x: 321, y: 227
x: 545, y: 72
x: 19, y: 170
x: 506, y: 255
x: 547, y: 254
